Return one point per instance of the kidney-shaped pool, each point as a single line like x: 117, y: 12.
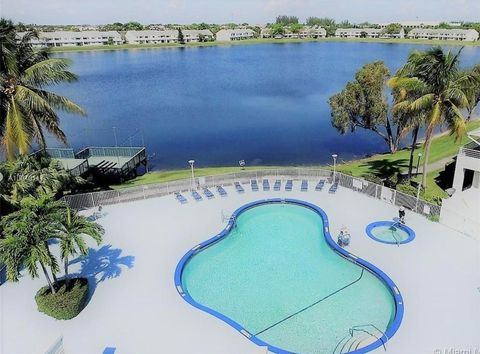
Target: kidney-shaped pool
x: 276, y: 276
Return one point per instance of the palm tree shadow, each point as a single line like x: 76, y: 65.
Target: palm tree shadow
x: 101, y: 264
x: 386, y: 168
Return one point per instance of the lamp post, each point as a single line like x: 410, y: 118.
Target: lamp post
x: 334, y: 157
x: 418, y: 161
x: 191, y: 162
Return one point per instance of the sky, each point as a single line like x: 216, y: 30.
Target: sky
x: 238, y: 11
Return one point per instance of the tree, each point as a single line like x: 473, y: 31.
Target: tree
x: 472, y: 90
x: 328, y: 23
x: 27, y: 109
x: 133, y: 26
x: 363, y: 34
x: 435, y: 76
x: 295, y: 27
x: 73, y: 228
x: 181, y: 38
x: 33, y: 176
x: 27, y: 233
x: 286, y: 20
x: 392, y: 28
x: 363, y: 104
x: 277, y: 30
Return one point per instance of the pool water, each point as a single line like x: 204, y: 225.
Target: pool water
x: 390, y: 234
x: 276, y: 276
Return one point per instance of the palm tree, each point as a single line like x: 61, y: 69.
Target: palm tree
x: 473, y: 91
x: 72, y: 231
x: 435, y: 77
x: 33, y: 176
x: 27, y: 233
x: 26, y: 108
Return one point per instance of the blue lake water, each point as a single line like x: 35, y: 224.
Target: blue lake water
x: 266, y: 104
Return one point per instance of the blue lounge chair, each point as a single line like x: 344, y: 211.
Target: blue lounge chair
x: 320, y: 185
x: 221, y: 191
x: 181, y: 199
x: 289, y: 185
x: 196, y: 196
x: 277, y: 185
x: 239, y: 187
x: 207, y: 193
x: 254, y: 185
x: 333, y: 188
x: 304, y: 187
x: 266, y: 185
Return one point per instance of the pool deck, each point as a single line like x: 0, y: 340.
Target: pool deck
x: 136, y: 308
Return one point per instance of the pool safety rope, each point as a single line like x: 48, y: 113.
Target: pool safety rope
x: 311, y: 305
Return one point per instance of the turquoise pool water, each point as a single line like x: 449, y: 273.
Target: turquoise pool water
x: 271, y: 273
x: 390, y: 234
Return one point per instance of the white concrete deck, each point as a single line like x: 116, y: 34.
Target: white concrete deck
x: 136, y: 308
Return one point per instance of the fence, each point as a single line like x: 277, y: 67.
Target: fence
x: 387, y: 195
x: 3, y: 273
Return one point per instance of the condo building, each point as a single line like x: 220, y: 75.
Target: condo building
x: 72, y: 39
x: 444, y: 34
x: 234, y: 34
x: 151, y: 37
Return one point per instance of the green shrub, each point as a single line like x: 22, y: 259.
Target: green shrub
x: 433, y: 218
x: 67, y: 302
x: 407, y: 189
x: 372, y: 178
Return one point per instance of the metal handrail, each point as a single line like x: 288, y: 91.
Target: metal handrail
x: 359, y: 328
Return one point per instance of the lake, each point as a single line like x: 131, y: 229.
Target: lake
x: 265, y: 104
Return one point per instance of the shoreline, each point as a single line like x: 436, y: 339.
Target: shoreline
x: 261, y: 41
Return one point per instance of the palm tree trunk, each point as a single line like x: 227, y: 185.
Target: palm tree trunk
x: 52, y: 288
x: 412, y: 150
x: 428, y: 140
x: 65, y: 265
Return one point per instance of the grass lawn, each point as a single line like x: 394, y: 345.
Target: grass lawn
x: 433, y: 189
x: 387, y: 164
x: 261, y: 41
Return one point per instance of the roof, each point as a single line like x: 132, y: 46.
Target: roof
x: 236, y: 31
x: 366, y: 30
x: 72, y: 34
x: 475, y: 133
x: 443, y: 31
x: 152, y: 33
x: 205, y: 32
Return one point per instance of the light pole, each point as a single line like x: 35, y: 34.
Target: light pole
x: 334, y: 157
x: 191, y: 162
x: 418, y: 161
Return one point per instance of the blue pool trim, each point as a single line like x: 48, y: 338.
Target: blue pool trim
x: 409, y: 231
x: 399, y: 306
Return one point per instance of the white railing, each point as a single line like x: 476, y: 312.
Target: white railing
x: 390, y: 196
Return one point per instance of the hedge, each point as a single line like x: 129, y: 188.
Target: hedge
x: 67, y: 302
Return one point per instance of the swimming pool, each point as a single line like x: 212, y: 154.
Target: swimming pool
x: 391, y: 232
x: 276, y: 275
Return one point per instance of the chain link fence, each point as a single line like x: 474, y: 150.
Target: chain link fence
x: 385, y: 194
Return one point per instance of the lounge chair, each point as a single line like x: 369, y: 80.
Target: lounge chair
x: 207, y: 193
x: 266, y: 185
x: 320, y: 185
x: 221, y: 191
x: 289, y: 185
x: 333, y: 188
x: 277, y: 185
x: 181, y: 199
x: 239, y: 187
x: 254, y: 185
x: 304, y: 187
x: 196, y: 196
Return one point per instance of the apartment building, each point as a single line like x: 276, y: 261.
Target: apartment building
x: 72, y: 39
x: 151, y: 37
x: 196, y: 35
x: 367, y: 33
x: 444, y: 34
x: 234, y: 34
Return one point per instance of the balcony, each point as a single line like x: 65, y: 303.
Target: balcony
x: 470, y: 150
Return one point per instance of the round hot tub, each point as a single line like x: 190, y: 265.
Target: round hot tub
x: 391, y: 232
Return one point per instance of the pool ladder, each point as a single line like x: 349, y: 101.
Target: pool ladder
x: 365, y: 337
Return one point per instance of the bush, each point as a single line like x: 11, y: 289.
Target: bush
x: 373, y: 178
x: 407, y: 189
x: 67, y: 302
